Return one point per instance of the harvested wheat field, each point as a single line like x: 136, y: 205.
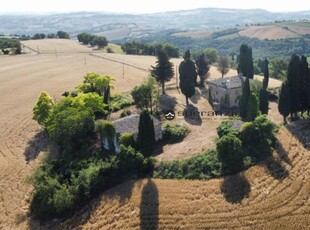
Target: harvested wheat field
x: 269, y: 32
x: 273, y: 195
x: 270, y: 196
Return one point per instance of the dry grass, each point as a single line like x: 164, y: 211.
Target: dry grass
x: 268, y: 32
x: 269, y: 196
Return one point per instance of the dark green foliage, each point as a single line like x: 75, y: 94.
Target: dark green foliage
x: 258, y: 138
x: 140, y: 48
x: 125, y: 112
x: 294, y: 80
x: 174, y: 133
x: 188, y: 76
x: 126, y: 139
x: 63, y: 35
x: 243, y: 103
x: 86, y: 38
x: 223, y: 65
x: 304, y: 86
x: 279, y: 67
x: 224, y: 33
x: 225, y: 128
x: 229, y: 149
x: 38, y: 36
x: 204, y: 166
x: 66, y: 184
x: 8, y: 45
x: 70, y: 126
x: 100, y: 41
x: 266, y: 75
x: 107, y: 132
x: 120, y: 101
x: 163, y: 71
x: 246, y: 62
x: 263, y: 101
x: 202, y: 66
x: 252, y: 108
x: 144, y: 95
x: 146, y: 134
x: 285, y: 102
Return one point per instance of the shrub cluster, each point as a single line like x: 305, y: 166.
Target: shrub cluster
x: 174, y: 133
x: 120, y: 101
x: 204, y: 166
x: 65, y: 184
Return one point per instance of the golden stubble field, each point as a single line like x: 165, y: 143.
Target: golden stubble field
x: 270, y: 196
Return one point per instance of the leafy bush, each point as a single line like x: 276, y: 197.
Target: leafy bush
x: 174, y: 132
x: 125, y: 112
x: 229, y: 149
x: 126, y: 139
x: 63, y: 185
x: 120, y: 101
x: 204, y: 166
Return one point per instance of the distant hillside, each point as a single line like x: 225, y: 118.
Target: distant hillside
x: 125, y: 26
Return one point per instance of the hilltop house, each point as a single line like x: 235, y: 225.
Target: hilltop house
x: 130, y: 124
x: 226, y: 92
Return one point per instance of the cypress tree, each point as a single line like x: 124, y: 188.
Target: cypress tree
x: 284, y: 105
x: 245, y: 65
x: 252, y: 108
x: 293, y: 80
x: 188, y: 76
x: 263, y: 93
x: 243, y: 103
x: 304, y: 87
x: 146, y: 135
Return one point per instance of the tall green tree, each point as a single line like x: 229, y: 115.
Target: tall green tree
x: 294, y: 80
x: 100, y: 41
x: 229, y: 149
x: 223, y: 65
x: 146, y: 134
x: 163, y: 71
x: 263, y: 93
x: 243, y: 103
x: 252, y: 108
x: 63, y: 35
x: 145, y: 94
x: 278, y: 68
x: 188, y: 75
x: 246, y: 61
x: 43, y: 108
x: 304, y: 87
x: 202, y: 66
x: 285, y: 98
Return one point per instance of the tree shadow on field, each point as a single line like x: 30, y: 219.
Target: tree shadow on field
x: 195, y: 98
x: 167, y: 102
x: 36, y: 145
x: 192, y: 115
x: 149, y: 206
x: 235, y: 188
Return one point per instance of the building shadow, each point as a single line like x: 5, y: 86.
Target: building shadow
x: 149, y: 206
x: 235, y: 188
x: 192, y: 115
x: 36, y: 145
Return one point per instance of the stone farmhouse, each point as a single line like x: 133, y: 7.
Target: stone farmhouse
x: 226, y: 92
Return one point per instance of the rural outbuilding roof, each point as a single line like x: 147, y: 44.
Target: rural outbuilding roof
x: 227, y: 82
x: 130, y: 124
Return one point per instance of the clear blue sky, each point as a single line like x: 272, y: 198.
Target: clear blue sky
x: 148, y: 6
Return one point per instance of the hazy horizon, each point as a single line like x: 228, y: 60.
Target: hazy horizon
x: 145, y: 7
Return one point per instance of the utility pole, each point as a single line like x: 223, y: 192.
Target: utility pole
x: 84, y: 59
x: 38, y: 49
x: 56, y: 53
